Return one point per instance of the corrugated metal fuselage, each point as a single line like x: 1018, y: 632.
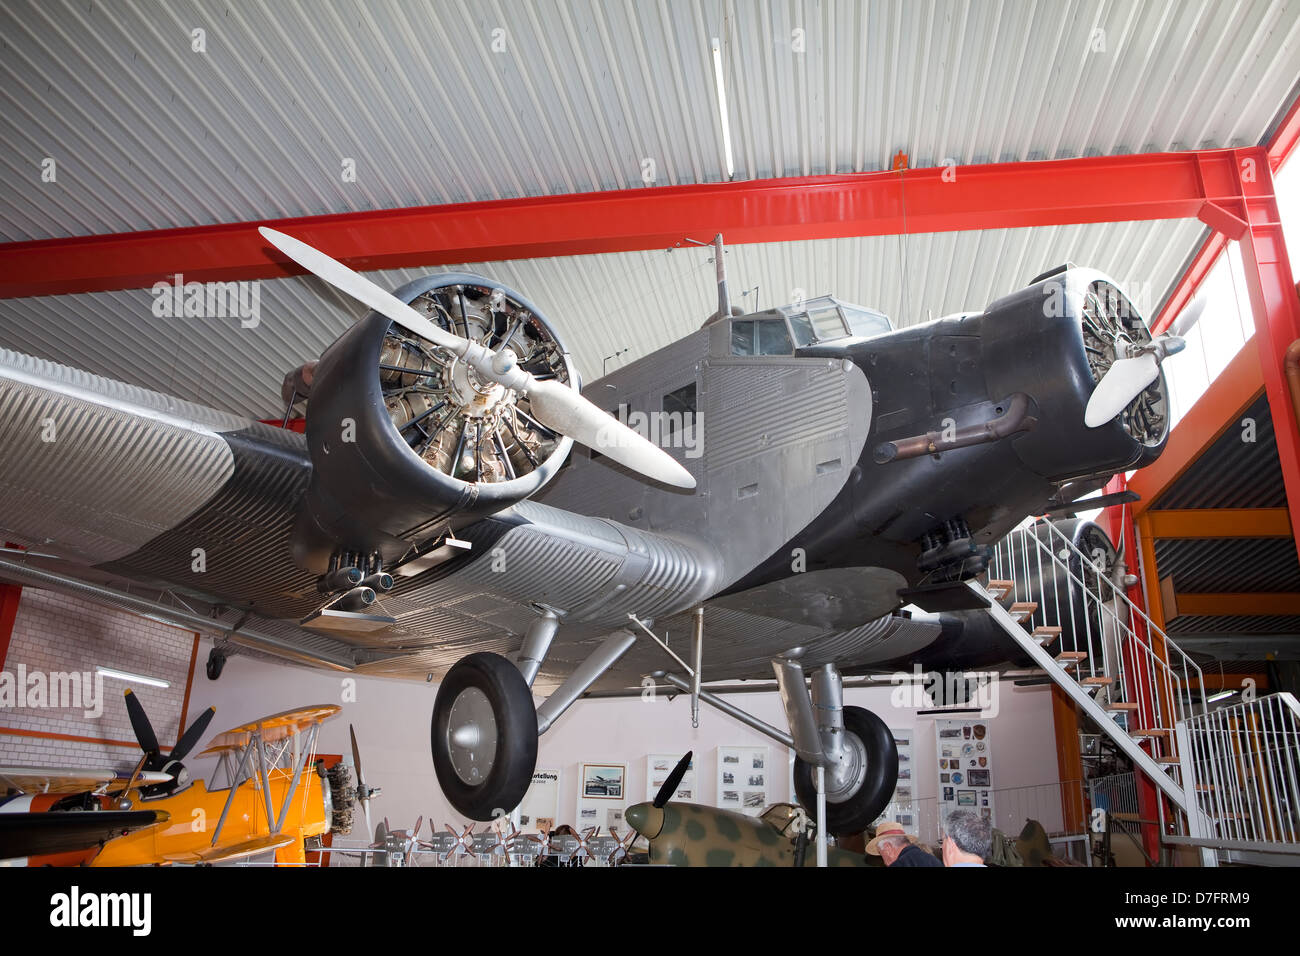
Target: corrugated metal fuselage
x: 795, y: 534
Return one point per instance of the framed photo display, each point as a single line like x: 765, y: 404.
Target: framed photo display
x: 657, y: 769
x: 602, y: 795
x: 967, y: 775
x: 743, y: 774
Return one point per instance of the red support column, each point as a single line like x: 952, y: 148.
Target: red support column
x: 10, y: 595
x: 1276, y: 309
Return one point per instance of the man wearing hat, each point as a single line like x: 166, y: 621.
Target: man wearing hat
x: 897, y: 848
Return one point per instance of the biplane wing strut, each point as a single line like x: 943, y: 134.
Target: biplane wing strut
x: 251, y: 742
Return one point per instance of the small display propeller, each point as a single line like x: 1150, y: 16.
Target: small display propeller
x: 1130, y: 377
x: 557, y: 406
x: 363, y: 793
x: 670, y: 785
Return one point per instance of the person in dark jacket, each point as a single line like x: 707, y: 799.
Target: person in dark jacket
x: 897, y: 848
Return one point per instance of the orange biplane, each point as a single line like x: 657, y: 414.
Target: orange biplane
x: 158, y: 815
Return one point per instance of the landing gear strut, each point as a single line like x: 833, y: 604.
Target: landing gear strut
x: 852, y: 744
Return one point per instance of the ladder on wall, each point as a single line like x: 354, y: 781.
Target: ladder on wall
x: 1235, y: 776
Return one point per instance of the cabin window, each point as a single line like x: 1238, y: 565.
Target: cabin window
x: 679, y: 409
x: 682, y: 400
x: 760, y: 337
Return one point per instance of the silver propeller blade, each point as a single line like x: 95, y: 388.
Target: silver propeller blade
x: 1128, y: 378
x: 558, y: 407
x: 363, y: 794
x: 1124, y: 381
x: 362, y: 289
x: 1189, y: 317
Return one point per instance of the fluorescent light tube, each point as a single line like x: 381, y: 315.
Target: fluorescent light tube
x: 722, y: 107
x: 131, y: 678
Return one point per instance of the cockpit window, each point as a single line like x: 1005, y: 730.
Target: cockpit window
x: 802, y: 329
x: 827, y: 322
x: 825, y: 319
x: 760, y: 337
x: 865, y: 322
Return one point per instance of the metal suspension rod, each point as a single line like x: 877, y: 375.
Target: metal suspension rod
x: 730, y: 710
x: 586, y: 674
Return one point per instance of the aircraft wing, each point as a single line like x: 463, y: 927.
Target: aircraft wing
x: 41, y: 834
x: 273, y: 728
x: 68, y: 781
x: 224, y: 853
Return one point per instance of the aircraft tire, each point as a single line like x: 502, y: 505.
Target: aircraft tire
x: 216, y: 664
x: 483, y: 736
x: 861, y: 808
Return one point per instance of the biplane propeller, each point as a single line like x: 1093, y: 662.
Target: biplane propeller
x: 153, y: 756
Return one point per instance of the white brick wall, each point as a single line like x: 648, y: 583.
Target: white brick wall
x: 56, y: 632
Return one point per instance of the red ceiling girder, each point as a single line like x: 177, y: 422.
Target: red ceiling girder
x: 940, y: 199
x: 1279, y: 148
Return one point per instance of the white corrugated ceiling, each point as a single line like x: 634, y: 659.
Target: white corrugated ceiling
x: 149, y: 133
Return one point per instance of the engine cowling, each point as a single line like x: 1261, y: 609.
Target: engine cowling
x: 407, y: 443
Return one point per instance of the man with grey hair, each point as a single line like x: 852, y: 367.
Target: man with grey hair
x: 968, y: 837
x: 896, y: 847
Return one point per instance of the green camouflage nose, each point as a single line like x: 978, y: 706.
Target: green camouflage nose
x: 645, y: 818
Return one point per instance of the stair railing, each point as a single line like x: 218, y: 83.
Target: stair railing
x: 1243, y: 765
x: 1071, y: 590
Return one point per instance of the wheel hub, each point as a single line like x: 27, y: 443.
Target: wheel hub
x: 472, y: 736
x: 845, y: 777
x: 479, y: 398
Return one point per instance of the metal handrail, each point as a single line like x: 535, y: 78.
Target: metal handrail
x: 1244, y: 773
x: 1119, y: 596
x: 1173, y: 673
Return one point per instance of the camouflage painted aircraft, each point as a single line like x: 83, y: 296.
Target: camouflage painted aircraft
x: 689, y: 834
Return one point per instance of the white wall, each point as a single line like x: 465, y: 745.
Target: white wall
x: 392, y: 724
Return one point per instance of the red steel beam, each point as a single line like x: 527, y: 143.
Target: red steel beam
x: 1200, y: 523
x: 1280, y: 146
x: 941, y: 199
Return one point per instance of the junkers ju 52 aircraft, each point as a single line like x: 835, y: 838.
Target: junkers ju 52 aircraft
x: 818, y: 473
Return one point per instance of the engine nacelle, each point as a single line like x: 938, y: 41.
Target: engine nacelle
x: 1055, y: 340
x: 407, y: 442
